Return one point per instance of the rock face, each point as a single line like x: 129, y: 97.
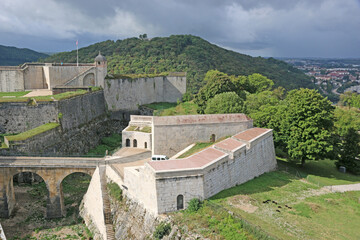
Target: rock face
x: 131, y: 220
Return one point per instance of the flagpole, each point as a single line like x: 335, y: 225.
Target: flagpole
x: 77, y: 53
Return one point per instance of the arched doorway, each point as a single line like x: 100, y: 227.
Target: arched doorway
x: 180, y: 202
x: 89, y: 80
x: 212, y: 138
x: 127, y: 142
x: 134, y: 143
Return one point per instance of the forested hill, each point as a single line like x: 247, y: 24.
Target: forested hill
x: 12, y: 56
x: 185, y: 53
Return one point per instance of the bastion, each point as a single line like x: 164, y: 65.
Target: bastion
x: 240, y: 152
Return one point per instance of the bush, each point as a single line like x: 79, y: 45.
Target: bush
x: 194, y: 205
x: 163, y: 229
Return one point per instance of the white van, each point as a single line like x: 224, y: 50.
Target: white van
x: 159, y: 157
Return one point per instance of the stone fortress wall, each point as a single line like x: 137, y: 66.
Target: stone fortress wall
x: 182, y: 130
x: 160, y: 185
x: 129, y: 94
x: 47, y: 75
x: 83, y: 122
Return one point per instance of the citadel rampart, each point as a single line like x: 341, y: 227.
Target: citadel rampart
x: 48, y: 75
x: 165, y: 186
x: 83, y: 120
x: 183, y: 130
x: 129, y: 94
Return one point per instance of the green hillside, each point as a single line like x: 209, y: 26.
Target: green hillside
x: 185, y: 53
x: 12, y: 56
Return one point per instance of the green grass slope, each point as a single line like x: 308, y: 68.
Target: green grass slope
x: 187, y: 53
x: 12, y: 56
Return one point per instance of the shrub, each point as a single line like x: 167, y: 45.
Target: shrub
x: 163, y: 229
x: 194, y: 205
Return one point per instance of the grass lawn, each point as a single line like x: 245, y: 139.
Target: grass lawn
x: 14, y: 94
x: 18, y: 96
x: 32, y: 132
x: 322, y: 173
x: 171, y: 109
x: 301, y: 209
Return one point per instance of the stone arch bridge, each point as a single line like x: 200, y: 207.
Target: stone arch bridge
x: 51, y: 169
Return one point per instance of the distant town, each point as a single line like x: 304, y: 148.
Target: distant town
x: 333, y: 76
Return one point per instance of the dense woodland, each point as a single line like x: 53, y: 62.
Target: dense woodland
x: 184, y: 53
x: 306, y: 125
x: 12, y: 56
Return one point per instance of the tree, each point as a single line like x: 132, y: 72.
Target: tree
x: 216, y: 83
x: 258, y: 83
x: 228, y: 102
x: 307, y: 125
x: 348, y: 154
x: 143, y: 36
x: 255, y: 101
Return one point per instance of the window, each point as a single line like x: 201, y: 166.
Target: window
x: 134, y: 143
x: 128, y: 142
x: 145, y: 145
x: 180, y: 202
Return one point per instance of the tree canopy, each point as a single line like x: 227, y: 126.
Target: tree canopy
x: 185, y: 53
x: 227, y: 102
x: 308, y: 125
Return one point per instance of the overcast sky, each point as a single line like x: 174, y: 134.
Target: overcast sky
x: 277, y: 28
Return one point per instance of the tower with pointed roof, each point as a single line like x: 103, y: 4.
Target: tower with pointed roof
x: 101, y: 69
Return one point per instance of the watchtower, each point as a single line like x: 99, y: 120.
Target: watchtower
x: 101, y: 69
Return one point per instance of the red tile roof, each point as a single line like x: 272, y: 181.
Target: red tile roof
x: 251, y: 134
x: 229, y: 144
x: 197, y: 160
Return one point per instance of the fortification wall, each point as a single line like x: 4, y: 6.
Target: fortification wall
x: 247, y: 164
x: 11, y: 79
x: 185, y: 130
x: 168, y: 189
x: 18, y: 117
x: 59, y: 75
x: 92, y: 207
x: 81, y: 109
x: 228, y: 171
x: 129, y: 94
x: 77, y: 141
x: 39, y: 143
x: 141, y: 187
x: 34, y: 77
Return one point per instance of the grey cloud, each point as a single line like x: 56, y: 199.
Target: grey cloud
x: 260, y: 27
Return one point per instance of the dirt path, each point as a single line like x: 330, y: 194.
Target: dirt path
x: 344, y: 188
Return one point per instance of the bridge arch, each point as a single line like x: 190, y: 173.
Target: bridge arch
x: 52, y: 176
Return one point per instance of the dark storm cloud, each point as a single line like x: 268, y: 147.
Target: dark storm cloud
x: 258, y: 27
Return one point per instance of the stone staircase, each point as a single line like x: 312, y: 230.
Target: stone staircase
x: 106, y: 205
